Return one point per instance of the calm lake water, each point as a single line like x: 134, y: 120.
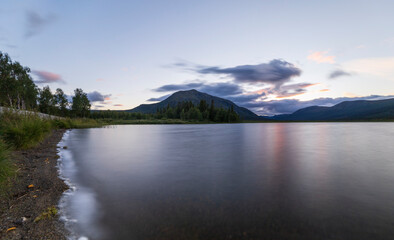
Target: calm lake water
x: 230, y: 181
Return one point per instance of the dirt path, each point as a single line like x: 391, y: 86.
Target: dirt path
x: 37, y: 189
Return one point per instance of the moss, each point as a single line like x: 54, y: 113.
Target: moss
x: 47, y: 214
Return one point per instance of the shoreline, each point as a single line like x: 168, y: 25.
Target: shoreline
x: 36, y: 189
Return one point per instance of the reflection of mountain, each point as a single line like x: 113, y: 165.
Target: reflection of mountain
x: 195, y: 97
x: 349, y: 110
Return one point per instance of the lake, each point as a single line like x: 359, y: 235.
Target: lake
x: 230, y: 181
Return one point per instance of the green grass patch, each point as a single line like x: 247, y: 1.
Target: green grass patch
x: 47, y: 214
x: 85, y: 123
x: 7, y: 169
x: 23, y: 131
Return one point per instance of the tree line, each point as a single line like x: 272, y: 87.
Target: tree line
x: 201, y: 112
x: 18, y: 90
x: 187, y: 111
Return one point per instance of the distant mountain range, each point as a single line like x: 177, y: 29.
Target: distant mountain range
x: 347, y: 111
x: 360, y: 110
x: 195, y: 97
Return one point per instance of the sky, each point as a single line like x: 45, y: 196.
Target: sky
x: 272, y: 57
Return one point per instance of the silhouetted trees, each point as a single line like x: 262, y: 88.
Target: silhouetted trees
x: 201, y: 112
x: 183, y: 110
x: 18, y: 90
x: 61, y: 102
x: 80, y: 104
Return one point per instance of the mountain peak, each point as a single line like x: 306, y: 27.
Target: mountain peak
x: 195, y: 97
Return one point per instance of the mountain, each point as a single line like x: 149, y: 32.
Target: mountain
x: 349, y: 110
x: 195, y: 97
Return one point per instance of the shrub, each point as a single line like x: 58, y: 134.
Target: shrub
x: 26, y: 132
x: 23, y: 131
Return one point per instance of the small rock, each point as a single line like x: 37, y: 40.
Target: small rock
x: 18, y: 222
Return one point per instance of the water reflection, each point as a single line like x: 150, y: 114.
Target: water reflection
x: 235, y: 181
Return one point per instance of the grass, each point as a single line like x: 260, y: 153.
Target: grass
x: 67, y: 123
x: 23, y: 131
x: 47, y: 214
x: 7, y: 169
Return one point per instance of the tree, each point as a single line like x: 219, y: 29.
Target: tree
x: 7, y: 82
x: 194, y: 114
x: 80, y: 103
x: 203, y: 106
x: 61, y: 102
x: 46, y: 101
x: 183, y: 115
x: 17, y: 89
x: 212, y: 111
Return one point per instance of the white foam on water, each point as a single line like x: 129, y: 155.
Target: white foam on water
x: 78, y: 205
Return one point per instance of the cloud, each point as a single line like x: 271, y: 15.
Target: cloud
x: 292, y: 90
x: 96, y: 96
x: 158, y: 99
x: 236, y: 94
x: 321, y: 57
x: 338, y: 73
x: 177, y: 87
x: 217, y: 89
x: 36, y: 23
x: 276, y: 72
x: 246, y: 98
x: 118, y: 105
x: 381, y: 67
x: 361, y: 46
x: 285, y: 91
x: 286, y: 106
x: 48, y: 77
x: 98, y: 106
x: 99, y: 80
x: 221, y: 89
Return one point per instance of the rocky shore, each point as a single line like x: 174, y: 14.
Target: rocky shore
x: 30, y: 210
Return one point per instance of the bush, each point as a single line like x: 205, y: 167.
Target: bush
x: 24, y: 132
x: 62, y: 124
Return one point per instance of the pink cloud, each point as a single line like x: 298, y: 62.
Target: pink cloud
x: 48, y: 77
x: 321, y: 57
